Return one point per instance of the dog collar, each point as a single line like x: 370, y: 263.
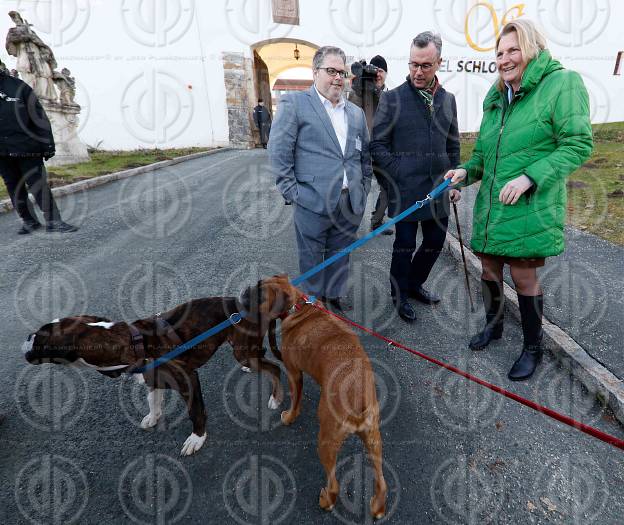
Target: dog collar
x: 298, y: 306
x: 82, y: 363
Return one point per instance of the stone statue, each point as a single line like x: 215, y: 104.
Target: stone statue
x: 37, y: 66
x: 66, y: 85
x: 35, y: 59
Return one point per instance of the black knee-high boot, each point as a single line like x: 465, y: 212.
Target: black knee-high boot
x: 494, y: 303
x: 531, y: 309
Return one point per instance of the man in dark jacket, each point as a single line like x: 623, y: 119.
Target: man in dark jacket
x: 380, y: 86
x: 25, y: 141
x: 262, y: 119
x: 415, y: 141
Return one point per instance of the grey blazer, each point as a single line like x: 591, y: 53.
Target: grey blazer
x: 306, y: 157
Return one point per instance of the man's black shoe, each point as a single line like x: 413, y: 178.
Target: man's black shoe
x: 374, y: 226
x: 342, y: 304
x: 406, y: 312
x: 422, y: 295
x: 29, y: 227
x: 60, y: 227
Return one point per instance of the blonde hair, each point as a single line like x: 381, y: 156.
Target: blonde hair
x: 530, y: 39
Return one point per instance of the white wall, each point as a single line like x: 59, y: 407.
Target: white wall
x: 150, y: 72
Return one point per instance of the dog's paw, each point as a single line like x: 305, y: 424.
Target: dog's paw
x: 378, y: 508
x: 288, y: 417
x: 150, y: 420
x: 192, y: 444
x: 273, y: 403
x: 246, y: 369
x: 325, y: 501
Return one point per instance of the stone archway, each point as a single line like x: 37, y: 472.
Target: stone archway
x: 248, y: 78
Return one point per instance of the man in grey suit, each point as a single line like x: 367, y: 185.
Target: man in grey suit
x: 319, y: 152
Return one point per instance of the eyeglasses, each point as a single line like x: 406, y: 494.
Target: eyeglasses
x: 332, y: 72
x: 423, y: 67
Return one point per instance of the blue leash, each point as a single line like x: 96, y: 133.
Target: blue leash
x: 233, y: 319
x: 236, y: 317
x: 353, y: 246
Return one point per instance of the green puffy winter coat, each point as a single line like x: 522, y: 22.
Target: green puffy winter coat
x: 544, y: 133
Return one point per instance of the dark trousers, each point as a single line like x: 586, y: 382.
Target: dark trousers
x: 382, y: 200
x: 27, y: 174
x: 410, y: 267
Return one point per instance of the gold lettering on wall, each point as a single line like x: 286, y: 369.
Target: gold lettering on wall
x: 512, y: 13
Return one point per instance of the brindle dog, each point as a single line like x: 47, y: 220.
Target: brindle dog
x: 113, y: 348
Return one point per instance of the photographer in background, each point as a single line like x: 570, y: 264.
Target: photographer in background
x: 366, y: 88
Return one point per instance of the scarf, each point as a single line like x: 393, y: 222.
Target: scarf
x: 428, y: 93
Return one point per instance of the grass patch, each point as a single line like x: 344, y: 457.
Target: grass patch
x: 105, y: 162
x: 596, y: 189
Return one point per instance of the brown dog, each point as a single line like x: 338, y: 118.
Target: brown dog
x: 325, y: 348
x: 115, y: 348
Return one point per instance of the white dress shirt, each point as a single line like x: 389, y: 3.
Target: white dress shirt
x: 338, y: 117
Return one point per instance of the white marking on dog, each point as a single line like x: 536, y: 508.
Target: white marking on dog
x: 192, y: 444
x: 81, y: 363
x: 246, y: 369
x: 28, y: 344
x: 154, y: 400
x: 103, y: 324
x: 273, y: 403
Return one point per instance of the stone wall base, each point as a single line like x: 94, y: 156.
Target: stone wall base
x: 69, y: 148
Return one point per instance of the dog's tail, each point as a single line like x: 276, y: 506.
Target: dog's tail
x: 273, y: 340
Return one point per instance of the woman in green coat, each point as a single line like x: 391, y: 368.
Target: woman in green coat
x: 535, y: 132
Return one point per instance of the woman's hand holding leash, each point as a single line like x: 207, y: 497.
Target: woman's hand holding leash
x: 456, y: 175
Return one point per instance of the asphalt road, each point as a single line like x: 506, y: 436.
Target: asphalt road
x: 71, y: 447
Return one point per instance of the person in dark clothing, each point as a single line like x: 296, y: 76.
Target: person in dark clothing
x: 262, y: 119
x: 25, y: 142
x: 415, y: 142
x: 381, y: 204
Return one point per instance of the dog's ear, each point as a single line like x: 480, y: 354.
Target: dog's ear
x: 250, y: 300
x: 276, y: 301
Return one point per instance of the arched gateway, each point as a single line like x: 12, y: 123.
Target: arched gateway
x: 287, y: 61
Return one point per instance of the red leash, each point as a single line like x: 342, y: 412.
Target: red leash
x: 603, y: 436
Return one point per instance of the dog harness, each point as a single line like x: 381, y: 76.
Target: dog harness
x: 137, y: 342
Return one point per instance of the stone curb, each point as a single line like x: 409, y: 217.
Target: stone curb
x: 607, y: 388
x: 6, y: 205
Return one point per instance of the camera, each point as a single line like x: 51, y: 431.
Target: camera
x: 364, y: 76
